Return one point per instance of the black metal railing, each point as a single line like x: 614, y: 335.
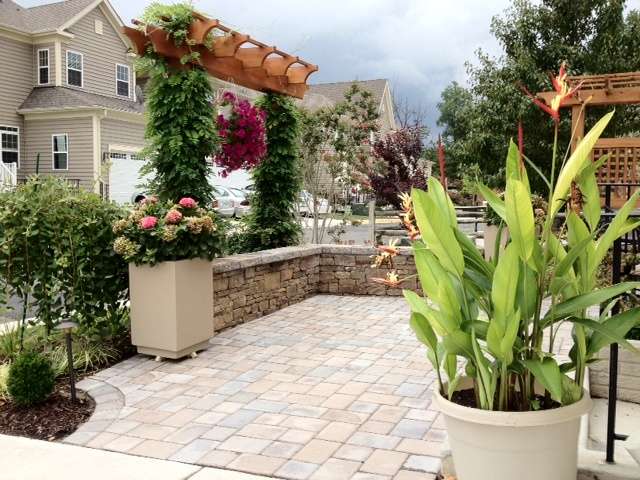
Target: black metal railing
x: 629, y: 243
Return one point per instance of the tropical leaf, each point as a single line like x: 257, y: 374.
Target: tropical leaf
x: 590, y: 191
x: 606, y: 331
x: 575, y: 164
x: 581, y: 302
x: 547, y: 372
x: 437, y: 232
x: 520, y: 218
x: 493, y: 200
x: 442, y: 200
x: 619, y: 325
x: 504, y: 288
x: 616, y: 228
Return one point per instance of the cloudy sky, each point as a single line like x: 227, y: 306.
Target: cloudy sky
x: 419, y: 45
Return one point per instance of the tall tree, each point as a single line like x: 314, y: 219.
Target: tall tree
x: 593, y: 36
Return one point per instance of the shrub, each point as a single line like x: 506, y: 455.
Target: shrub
x: 164, y: 231
x: 55, y: 249
x: 31, y: 379
x: 272, y: 222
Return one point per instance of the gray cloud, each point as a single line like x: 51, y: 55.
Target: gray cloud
x: 420, y: 45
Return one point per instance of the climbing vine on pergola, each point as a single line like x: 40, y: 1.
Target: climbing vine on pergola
x: 228, y: 55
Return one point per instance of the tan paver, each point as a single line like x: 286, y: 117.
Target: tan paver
x: 306, y: 393
x: 258, y: 464
x: 337, y: 431
x: 384, y: 462
x: 316, y: 451
x: 335, y: 469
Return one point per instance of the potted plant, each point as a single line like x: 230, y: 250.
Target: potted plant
x: 170, y: 248
x: 514, y: 410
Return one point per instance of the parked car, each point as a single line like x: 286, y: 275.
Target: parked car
x: 305, y: 204
x: 230, y: 202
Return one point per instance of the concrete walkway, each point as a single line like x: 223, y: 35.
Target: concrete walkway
x: 328, y: 389
x: 26, y: 459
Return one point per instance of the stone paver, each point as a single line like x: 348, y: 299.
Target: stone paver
x: 329, y: 388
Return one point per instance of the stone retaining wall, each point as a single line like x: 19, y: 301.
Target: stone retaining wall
x: 251, y: 285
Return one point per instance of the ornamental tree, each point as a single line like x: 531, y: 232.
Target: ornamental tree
x: 400, y: 153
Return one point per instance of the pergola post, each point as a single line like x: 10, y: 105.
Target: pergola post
x: 577, y: 126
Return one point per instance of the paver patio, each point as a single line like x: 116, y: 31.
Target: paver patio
x: 330, y: 388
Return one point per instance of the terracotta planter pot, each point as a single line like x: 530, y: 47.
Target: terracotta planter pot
x: 171, y: 307
x: 513, y: 445
x: 490, y: 238
x: 628, y: 375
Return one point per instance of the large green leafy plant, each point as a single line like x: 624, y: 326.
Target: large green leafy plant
x: 502, y: 317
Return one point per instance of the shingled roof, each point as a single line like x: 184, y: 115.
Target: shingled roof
x: 42, y: 18
x: 334, y: 92
x: 58, y: 98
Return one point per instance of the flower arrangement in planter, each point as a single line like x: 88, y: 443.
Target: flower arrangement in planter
x: 242, y: 133
x: 169, y: 247
x: 514, y: 409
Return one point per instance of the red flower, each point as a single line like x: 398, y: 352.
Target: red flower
x: 563, y: 93
x: 187, y: 202
x: 149, y: 222
x: 173, y: 217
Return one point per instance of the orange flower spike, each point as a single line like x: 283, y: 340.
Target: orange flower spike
x: 563, y: 93
x: 405, y: 198
x: 389, y: 250
x: 391, y: 280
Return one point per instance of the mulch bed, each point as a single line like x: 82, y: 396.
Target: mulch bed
x: 54, y: 419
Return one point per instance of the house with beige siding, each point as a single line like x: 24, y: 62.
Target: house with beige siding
x: 68, y: 100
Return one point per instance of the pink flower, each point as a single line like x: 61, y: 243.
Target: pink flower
x: 147, y: 223
x: 188, y: 202
x: 173, y: 217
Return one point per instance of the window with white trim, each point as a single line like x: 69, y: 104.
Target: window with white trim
x: 9, y: 144
x: 60, y: 151
x: 43, y: 66
x: 74, y: 68
x: 122, y: 80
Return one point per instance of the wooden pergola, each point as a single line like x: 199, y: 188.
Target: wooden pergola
x: 622, y: 170
x: 233, y: 57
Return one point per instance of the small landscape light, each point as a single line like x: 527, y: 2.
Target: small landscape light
x: 67, y: 328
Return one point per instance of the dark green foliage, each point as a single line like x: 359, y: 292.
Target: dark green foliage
x: 277, y: 179
x: 31, y: 379
x: 593, y: 36
x: 181, y: 134
x: 56, y: 247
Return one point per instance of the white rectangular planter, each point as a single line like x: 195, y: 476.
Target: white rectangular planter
x: 171, y: 307
x: 628, y: 375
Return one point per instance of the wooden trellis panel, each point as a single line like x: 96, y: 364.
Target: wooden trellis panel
x: 622, y: 168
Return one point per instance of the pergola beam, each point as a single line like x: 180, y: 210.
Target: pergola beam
x: 234, y: 57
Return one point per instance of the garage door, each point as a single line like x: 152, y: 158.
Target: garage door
x: 124, y: 177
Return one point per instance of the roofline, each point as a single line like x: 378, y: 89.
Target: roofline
x: 88, y: 110
x: 27, y: 37
x: 80, y: 14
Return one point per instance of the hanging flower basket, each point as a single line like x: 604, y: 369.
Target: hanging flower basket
x: 243, y: 135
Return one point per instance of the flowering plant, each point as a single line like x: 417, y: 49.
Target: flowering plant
x: 502, y: 317
x: 155, y: 232
x: 242, y: 133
